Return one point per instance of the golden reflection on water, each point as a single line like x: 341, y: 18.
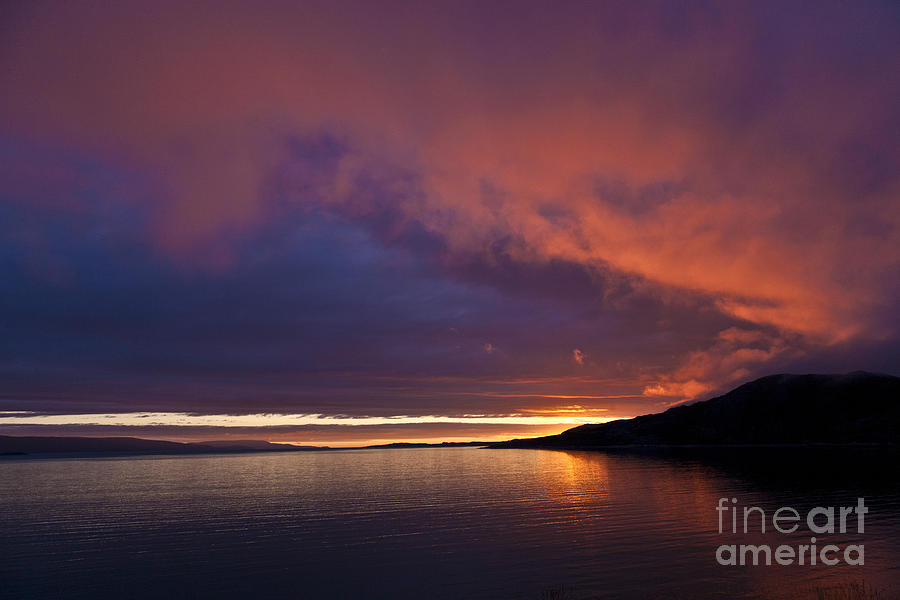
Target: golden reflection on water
x: 644, y: 494
x: 489, y: 524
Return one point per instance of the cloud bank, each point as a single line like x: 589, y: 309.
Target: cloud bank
x: 425, y: 208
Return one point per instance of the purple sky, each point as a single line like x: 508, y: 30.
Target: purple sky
x: 489, y: 219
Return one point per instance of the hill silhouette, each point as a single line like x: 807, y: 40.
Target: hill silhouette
x: 12, y: 445
x: 27, y: 445
x: 856, y: 407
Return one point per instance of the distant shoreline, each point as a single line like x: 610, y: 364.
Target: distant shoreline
x: 37, y: 446
x: 623, y: 448
x: 507, y: 446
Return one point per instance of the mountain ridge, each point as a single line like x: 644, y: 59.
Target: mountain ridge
x: 850, y: 408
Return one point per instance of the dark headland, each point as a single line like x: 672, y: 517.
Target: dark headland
x: 852, y: 408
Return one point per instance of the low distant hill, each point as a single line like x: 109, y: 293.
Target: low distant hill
x: 856, y: 407
x: 402, y: 445
x: 257, y: 445
x: 11, y: 445
x: 19, y: 445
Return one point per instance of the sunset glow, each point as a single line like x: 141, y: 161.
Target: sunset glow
x: 468, y: 220
x: 278, y: 420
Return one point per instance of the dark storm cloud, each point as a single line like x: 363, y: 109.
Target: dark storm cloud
x: 319, y: 301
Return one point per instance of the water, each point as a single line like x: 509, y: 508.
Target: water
x: 427, y: 523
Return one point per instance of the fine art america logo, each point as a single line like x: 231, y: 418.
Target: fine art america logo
x: 820, y: 520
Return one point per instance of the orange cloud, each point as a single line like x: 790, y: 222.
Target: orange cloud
x: 578, y: 356
x: 572, y: 408
x: 728, y: 361
x: 754, y: 218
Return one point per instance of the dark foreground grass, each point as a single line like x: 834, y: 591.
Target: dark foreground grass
x: 851, y: 590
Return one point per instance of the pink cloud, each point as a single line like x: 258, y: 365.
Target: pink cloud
x: 200, y: 97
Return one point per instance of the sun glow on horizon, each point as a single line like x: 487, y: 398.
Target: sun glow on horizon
x: 183, y: 419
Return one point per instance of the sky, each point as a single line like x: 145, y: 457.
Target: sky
x: 351, y: 222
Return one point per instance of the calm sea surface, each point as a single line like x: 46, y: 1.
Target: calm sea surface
x: 429, y: 523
